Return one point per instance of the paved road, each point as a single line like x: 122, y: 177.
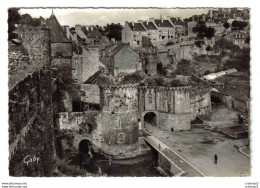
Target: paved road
x: 199, y: 146
x: 187, y: 169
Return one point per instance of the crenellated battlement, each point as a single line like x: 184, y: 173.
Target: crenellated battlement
x: 166, y: 88
x: 125, y: 86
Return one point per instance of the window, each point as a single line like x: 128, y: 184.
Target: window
x: 150, y: 97
x: 121, y: 138
x: 59, y: 54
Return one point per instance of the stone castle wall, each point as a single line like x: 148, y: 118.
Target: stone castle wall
x: 170, y: 104
x: 174, y: 122
x: 17, y: 55
x: 30, y: 109
x: 37, y: 43
x: 77, y: 68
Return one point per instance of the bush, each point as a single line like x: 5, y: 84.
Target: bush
x: 135, y: 77
x: 161, y: 69
x: 184, y: 67
x: 224, y: 44
x: 239, y: 24
x: 203, y: 31
x: 198, y: 43
x: 226, y: 25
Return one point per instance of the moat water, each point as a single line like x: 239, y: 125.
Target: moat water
x: 142, y: 166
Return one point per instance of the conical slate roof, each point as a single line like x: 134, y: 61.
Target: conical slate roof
x: 56, y: 31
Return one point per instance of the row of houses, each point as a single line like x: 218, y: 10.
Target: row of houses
x: 157, y: 30
x: 87, y: 35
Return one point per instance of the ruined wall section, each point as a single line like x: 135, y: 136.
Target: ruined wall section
x: 120, y: 120
x: 150, y: 60
x: 90, y: 59
x: 77, y: 126
x: 200, y: 101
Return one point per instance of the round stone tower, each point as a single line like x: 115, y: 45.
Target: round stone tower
x: 119, y: 104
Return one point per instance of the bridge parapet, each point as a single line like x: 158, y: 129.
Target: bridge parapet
x: 163, y: 150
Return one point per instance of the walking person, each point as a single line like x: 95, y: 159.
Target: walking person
x: 216, y: 159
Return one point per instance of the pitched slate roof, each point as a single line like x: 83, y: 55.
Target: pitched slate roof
x: 177, y: 21
x: 137, y: 27
x: 91, y: 33
x: 101, y: 78
x: 164, y: 23
x: 56, y: 31
x: 118, y: 48
x: 149, y: 26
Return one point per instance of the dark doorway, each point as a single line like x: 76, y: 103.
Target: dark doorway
x: 216, y: 100
x: 150, y: 117
x: 84, y: 146
x: 232, y: 104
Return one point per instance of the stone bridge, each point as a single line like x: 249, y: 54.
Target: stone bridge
x: 170, y: 161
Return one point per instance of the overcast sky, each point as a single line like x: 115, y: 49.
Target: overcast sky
x: 101, y: 17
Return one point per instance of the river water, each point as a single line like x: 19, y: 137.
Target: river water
x: 142, y: 166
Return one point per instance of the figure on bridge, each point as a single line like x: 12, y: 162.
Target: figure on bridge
x: 216, y: 159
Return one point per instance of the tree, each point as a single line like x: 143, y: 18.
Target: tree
x: 226, y: 25
x: 224, y: 44
x: 28, y: 20
x: 184, y: 67
x: 198, y: 43
x: 113, y: 31
x: 161, y: 69
x: 240, y: 60
x: 203, y: 31
x: 239, y: 25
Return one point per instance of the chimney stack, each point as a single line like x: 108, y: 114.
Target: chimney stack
x: 77, y: 27
x: 151, y: 19
x: 210, y: 13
